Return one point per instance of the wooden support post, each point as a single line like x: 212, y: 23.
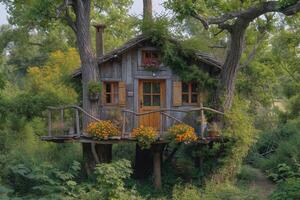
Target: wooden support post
x: 157, y: 150
x: 202, y: 121
x: 123, y: 125
x: 161, y: 125
x: 49, y: 123
x: 77, y: 122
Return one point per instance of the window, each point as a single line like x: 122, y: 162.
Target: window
x: 150, y: 58
x: 151, y: 93
x: 189, y: 93
x: 110, y: 92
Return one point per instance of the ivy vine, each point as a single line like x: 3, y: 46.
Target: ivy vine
x: 181, y: 60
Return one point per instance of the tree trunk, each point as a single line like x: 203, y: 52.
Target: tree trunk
x: 157, y: 150
x: 230, y: 67
x: 143, y: 163
x: 90, y: 72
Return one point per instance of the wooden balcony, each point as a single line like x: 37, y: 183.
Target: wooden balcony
x: 65, y: 125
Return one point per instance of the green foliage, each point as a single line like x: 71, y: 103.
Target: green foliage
x: 110, y: 178
x: 186, y: 192
x: 94, y: 88
x: 43, y: 180
x: 227, y: 191
x: 246, y: 175
x: 282, y: 172
x: 289, y: 189
x: 239, y: 125
x: 183, y: 61
x: 285, y: 3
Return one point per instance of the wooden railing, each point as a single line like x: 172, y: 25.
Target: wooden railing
x: 164, y: 113
x: 75, y: 128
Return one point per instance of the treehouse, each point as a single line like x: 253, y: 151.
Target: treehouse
x: 138, y: 89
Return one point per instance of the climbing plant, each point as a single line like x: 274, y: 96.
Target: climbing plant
x: 182, y: 60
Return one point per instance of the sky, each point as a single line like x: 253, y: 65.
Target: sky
x: 136, y: 9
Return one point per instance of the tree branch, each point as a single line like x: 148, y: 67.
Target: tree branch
x: 250, y: 13
x: 64, y: 8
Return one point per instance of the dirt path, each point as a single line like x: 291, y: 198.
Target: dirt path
x: 262, y: 185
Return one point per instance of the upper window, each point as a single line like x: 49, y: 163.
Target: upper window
x: 189, y: 93
x: 150, y: 58
x: 111, y: 92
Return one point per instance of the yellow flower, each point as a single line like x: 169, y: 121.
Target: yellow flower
x: 183, y: 133
x: 102, y: 129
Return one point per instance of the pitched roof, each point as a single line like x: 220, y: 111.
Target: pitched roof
x: 203, y: 57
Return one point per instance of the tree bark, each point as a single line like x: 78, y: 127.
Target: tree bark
x: 90, y: 72
x: 143, y: 163
x: 230, y: 66
x: 241, y: 20
x: 157, y: 150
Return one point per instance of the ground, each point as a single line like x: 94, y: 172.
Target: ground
x: 261, y: 184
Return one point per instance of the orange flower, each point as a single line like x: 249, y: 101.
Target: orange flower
x: 102, y: 129
x: 183, y: 133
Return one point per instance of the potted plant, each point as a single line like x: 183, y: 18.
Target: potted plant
x: 94, y: 89
x: 145, y: 136
x: 182, y: 133
x: 214, y: 130
x: 103, y: 129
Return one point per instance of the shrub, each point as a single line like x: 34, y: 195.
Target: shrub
x: 102, y: 129
x: 111, y: 176
x: 247, y: 174
x: 145, y: 136
x: 289, y: 189
x: 227, y: 191
x: 94, y: 87
x: 187, y: 192
x: 182, y: 133
x: 281, y: 173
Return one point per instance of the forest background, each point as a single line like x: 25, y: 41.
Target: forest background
x: 35, y: 68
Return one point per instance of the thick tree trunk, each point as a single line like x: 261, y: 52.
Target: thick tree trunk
x: 143, y: 163
x: 230, y: 67
x: 157, y: 150
x: 90, y: 72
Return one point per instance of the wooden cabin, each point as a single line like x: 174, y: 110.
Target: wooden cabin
x: 135, y: 80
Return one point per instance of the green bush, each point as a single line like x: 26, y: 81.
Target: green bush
x: 110, y: 178
x: 186, y: 192
x: 289, y: 189
x: 247, y: 174
x: 227, y: 191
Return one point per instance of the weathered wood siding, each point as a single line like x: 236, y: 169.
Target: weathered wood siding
x: 127, y: 68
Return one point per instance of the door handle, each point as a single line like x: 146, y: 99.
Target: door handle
x: 141, y: 103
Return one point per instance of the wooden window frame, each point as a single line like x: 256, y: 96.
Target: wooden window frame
x: 189, y: 93
x: 151, y: 94
x: 156, y: 59
x: 114, y: 93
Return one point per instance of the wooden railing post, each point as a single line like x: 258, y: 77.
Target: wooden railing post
x: 77, y: 122
x: 123, y: 124
x: 49, y: 123
x: 161, y: 124
x: 202, y: 121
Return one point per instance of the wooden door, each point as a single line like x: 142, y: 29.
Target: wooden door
x: 151, y: 97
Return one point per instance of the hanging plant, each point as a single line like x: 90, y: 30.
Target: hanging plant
x: 94, y: 89
x: 182, y: 133
x: 145, y: 136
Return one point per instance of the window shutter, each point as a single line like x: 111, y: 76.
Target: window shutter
x: 177, y: 93
x: 122, y: 93
x: 103, y: 93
